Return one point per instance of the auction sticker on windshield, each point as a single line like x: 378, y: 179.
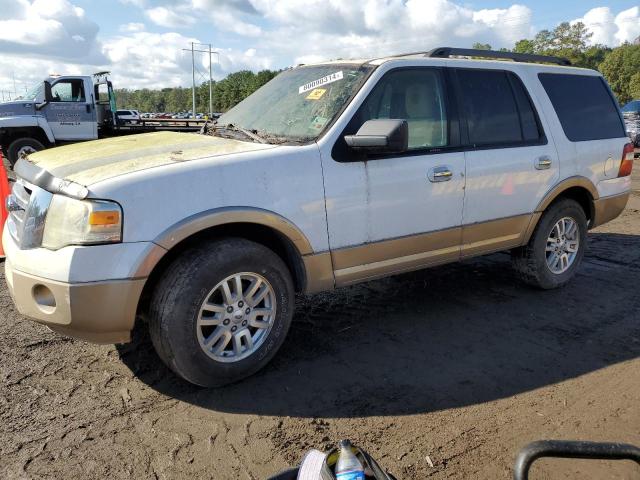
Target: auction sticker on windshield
x: 316, y: 94
x: 334, y: 77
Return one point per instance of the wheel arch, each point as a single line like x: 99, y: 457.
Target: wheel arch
x: 22, y: 126
x: 9, y: 135
x: 258, y: 225
x: 580, y: 189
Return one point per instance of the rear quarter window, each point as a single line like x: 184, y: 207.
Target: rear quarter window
x: 585, y: 106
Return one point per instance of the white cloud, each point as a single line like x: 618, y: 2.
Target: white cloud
x: 169, y: 17
x: 144, y: 59
x: 58, y: 36
x: 47, y: 28
x: 132, y: 27
x: 311, y: 30
x: 135, y: 3
x: 226, y: 21
x: 612, y: 29
x: 628, y: 23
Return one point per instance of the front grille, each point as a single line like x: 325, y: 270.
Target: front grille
x: 18, y: 204
x: 27, y: 207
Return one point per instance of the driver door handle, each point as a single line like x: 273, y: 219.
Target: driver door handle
x: 543, y: 163
x: 440, y: 174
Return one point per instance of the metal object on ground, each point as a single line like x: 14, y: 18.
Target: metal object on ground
x: 571, y: 449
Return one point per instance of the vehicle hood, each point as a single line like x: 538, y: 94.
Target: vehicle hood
x: 16, y: 109
x: 87, y: 163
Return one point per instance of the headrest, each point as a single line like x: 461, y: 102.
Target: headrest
x: 419, y: 101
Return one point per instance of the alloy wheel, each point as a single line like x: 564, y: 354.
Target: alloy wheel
x: 236, y: 317
x: 563, y: 243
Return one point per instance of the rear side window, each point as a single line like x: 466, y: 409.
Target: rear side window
x: 585, y: 107
x: 497, y: 108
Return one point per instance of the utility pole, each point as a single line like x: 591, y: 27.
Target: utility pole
x: 193, y: 73
x: 193, y: 82
x: 210, y: 84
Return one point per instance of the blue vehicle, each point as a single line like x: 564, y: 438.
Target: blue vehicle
x: 631, y: 113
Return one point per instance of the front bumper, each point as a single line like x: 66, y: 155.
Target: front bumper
x: 100, y: 312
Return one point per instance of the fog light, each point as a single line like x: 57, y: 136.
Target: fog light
x: 44, y: 299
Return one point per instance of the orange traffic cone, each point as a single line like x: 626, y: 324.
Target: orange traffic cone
x: 4, y: 193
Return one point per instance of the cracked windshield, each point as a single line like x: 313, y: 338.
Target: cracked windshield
x: 298, y: 104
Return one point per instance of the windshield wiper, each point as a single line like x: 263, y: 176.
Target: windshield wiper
x: 261, y: 136
x: 236, y: 128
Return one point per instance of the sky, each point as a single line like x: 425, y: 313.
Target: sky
x: 141, y: 41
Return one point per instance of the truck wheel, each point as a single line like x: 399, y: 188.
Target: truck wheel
x: 221, y: 311
x: 23, y: 146
x: 557, y: 246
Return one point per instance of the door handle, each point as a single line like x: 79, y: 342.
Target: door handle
x: 440, y: 174
x: 543, y: 163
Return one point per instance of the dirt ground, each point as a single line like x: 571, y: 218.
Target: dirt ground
x: 462, y: 364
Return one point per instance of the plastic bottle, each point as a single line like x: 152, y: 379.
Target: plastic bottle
x: 348, y: 466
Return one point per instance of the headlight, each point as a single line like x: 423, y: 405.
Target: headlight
x: 81, y: 222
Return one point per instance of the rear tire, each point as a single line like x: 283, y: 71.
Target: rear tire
x: 556, y: 248
x: 190, y: 317
x: 21, y: 146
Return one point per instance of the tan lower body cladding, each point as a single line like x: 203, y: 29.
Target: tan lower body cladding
x: 387, y: 257
x: 374, y: 260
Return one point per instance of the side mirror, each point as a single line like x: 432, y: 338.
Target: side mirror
x: 381, y: 136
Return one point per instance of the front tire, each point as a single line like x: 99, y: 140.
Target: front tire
x: 556, y: 248
x: 221, y: 311
x: 23, y: 146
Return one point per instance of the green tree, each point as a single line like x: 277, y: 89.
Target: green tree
x: 226, y: 93
x: 620, y: 68
x: 481, y: 46
x: 566, y: 40
x: 568, y: 36
x: 593, y: 56
x: 525, y: 46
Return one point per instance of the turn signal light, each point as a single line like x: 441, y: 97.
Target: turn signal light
x: 102, y: 218
x: 627, y: 161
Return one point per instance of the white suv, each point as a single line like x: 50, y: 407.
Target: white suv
x: 131, y: 116
x: 330, y: 174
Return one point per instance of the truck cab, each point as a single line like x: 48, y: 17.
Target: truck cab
x: 58, y: 110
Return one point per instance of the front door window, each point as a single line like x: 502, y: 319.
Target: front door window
x: 68, y: 91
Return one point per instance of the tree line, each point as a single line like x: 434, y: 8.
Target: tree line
x: 620, y: 66
x: 226, y: 93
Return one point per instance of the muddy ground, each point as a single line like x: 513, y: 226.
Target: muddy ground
x: 462, y: 364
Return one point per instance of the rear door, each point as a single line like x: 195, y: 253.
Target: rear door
x: 510, y: 163
x: 591, y: 121
x: 71, y: 113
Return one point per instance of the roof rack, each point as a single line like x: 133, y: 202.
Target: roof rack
x: 445, y: 52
